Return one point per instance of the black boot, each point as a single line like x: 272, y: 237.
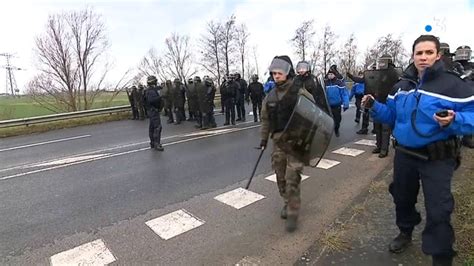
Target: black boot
x: 283, y: 213
x: 383, y: 154
x: 399, y: 243
x: 442, y: 260
x: 363, y: 131
x: 376, y: 150
x: 158, y: 147
x: 291, y: 223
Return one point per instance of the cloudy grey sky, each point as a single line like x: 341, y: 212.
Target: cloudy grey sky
x: 133, y: 27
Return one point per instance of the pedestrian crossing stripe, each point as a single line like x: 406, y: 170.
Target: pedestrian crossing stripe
x: 348, y: 152
x: 367, y: 142
x: 92, y: 253
x: 326, y: 164
x: 273, y: 177
x: 174, y: 224
x: 239, y: 198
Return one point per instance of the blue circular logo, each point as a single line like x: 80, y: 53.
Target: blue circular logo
x: 428, y: 28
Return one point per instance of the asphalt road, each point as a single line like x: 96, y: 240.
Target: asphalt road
x: 65, y: 188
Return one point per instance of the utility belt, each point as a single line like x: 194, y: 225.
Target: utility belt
x: 439, y: 150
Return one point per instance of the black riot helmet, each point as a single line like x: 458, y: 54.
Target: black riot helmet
x: 197, y: 79
x: 463, y: 53
x: 190, y: 81
x: 151, y: 80
x: 303, y: 67
x: 177, y: 80
x: 384, y: 61
x: 254, y: 77
x: 207, y: 80
x: 237, y: 75
x: 444, y: 49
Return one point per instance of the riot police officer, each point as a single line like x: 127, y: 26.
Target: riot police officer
x: 357, y: 91
x: 309, y: 82
x: 168, y: 100
x: 382, y: 131
x: 177, y: 96
x: 465, y: 69
x: 192, y: 100
x: 256, y: 94
x: 209, y: 99
x: 140, y: 103
x: 154, y: 104
x: 277, y: 108
x: 427, y: 109
x: 131, y: 98
x: 229, y: 91
x: 241, y: 96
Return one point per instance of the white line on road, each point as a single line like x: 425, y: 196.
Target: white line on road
x: 122, y: 153
x: 367, y: 142
x: 239, y: 198
x: 326, y: 164
x: 92, y: 253
x: 174, y: 224
x: 348, y: 151
x: 44, y: 143
x: 273, y: 178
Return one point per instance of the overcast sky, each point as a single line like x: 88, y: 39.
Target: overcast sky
x: 133, y: 27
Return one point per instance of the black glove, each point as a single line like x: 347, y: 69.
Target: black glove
x: 263, y: 144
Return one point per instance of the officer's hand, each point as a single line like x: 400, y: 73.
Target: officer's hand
x: 447, y: 120
x: 263, y: 144
x: 368, y: 101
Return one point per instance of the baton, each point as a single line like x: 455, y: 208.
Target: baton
x: 255, y: 168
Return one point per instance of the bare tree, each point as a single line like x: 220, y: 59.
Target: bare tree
x: 228, y: 36
x: 211, y: 42
x: 242, y: 35
x: 151, y: 64
x: 387, y: 45
x: 326, y: 50
x: 303, y: 38
x: 348, y: 55
x: 178, y: 57
x: 255, y: 58
x: 67, y: 55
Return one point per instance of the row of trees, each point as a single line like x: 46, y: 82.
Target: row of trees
x: 325, y: 52
x: 73, y: 64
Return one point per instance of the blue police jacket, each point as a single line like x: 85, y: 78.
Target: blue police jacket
x: 411, y: 106
x: 358, y: 89
x: 337, y: 93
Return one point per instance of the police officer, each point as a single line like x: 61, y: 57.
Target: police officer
x: 256, y: 94
x: 229, y: 91
x: 177, y: 96
x: 140, y: 103
x: 337, y: 95
x: 168, y: 100
x: 209, y: 98
x: 357, y: 91
x: 131, y: 98
x: 427, y: 108
x: 277, y: 108
x: 382, y: 131
x: 154, y: 104
x: 241, y: 96
x: 309, y: 82
x: 465, y: 69
x: 192, y: 100
x: 201, y: 113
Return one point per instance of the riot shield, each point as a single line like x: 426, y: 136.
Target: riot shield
x: 307, y: 133
x: 380, y: 82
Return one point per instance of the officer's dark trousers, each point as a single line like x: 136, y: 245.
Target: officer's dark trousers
x: 154, y: 130
x: 358, y: 103
x: 134, y: 112
x: 435, y: 177
x: 229, y: 111
x: 468, y: 141
x: 257, y: 106
x: 241, y: 107
x: 336, y: 114
x: 179, y: 114
x: 382, y: 136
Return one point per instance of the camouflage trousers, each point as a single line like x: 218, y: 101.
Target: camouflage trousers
x: 288, y: 175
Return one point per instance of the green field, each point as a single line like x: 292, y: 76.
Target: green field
x: 11, y: 108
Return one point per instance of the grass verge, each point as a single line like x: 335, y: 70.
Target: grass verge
x: 24, y: 130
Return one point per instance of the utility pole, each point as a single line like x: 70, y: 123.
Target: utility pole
x: 11, y: 86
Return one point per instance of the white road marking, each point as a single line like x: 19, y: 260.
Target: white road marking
x: 92, y: 253
x: 273, y: 178
x: 174, y: 224
x: 348, y: 151
x: 326, y: 164
x: 122, y: 153
x: 71, y: 160
x: 239, y: 198
x: 43, y: 143
x: 367, y: 142
x: 251, y: 113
